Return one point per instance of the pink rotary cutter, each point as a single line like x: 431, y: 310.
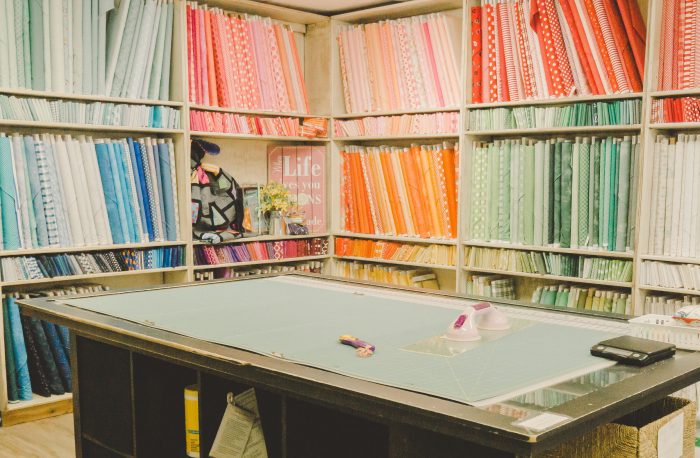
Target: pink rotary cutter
x: 482, y: 315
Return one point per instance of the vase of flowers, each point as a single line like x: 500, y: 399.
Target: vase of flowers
x: 274, y: 201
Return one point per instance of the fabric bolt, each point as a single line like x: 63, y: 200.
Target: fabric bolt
x: 11, y: 371
x: 24, y: 386
x: 8, y: 197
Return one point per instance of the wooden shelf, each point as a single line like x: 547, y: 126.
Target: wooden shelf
x: 261, y: 262
x: 197, y: 133
x: 271, y: 114
x: 262, y: 238
x: 675, y: 126
x: 410, y: 8
x: 88, y: 127
x: 675, y: 93
x: 673, y: 259
x: 396, y: 137
x: 396, y: 238
x: 551, y: 249
x: 21, y: 92
x: 374, y: 114
x: 87, y: 248
x: 663, y: 289
x: 398, y: 263
x: 557, y: 101
x: 561, y: 278
x: 557, y: 130
x: 76, y: 278
x: 39, y: 407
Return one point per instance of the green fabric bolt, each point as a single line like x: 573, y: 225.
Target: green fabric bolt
x: 504, y: 192
x: 521, y: 193
x: 551, y: 154
x: 547, y: 197
x: 492, y: 201
x: 595, y: 194
x: 529, y: 207
x: 623, y: 195
x: 566, y: 175
x: 557, y: 192
x: 604, y: 193
x: 632, y: 210
x: 583, y: 194
x: 11, y: 371
x: 612, y: 202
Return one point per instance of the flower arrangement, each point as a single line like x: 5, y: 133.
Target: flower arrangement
x: 274, y: 197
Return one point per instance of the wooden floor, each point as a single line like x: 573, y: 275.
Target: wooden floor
x: 49, y: 438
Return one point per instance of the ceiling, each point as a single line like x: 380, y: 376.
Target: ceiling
x: 329, y: 6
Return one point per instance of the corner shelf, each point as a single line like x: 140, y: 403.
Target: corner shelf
x: 22, y: 92
x: 561, y: 278
x: 556, y: 130
x: 87, y: 248
x: 396, y: 238
x: 71, y: 278
x: 197, y: 133
x: 260, y: 262
x: 557, y: 100
x: 263, y: 238
x: 398, y: 263
x: 87, y: 127
x: 551, y: 249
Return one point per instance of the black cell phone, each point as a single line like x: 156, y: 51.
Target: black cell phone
x: 633, y: 350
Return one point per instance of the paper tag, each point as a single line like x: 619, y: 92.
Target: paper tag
x: 240, y: 434
x: 542, y: 421
x: 670, y: 443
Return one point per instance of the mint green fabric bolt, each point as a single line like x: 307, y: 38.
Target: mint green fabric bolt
x: 566, y: 181
x: 595, y: 195
x: 557, y: 192
x: 302, y: 322
x: 493, y: 193
x: 623, y: 196
x: 583, y: 188
x: 8, y: 198
x: 529, y: 204
x: 612, y: 197
x: 504, y: 192
x: 604, y: 194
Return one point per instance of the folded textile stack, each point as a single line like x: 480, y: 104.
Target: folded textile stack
x: 662, y: 304
x: 402, y: 276
x: 395, y: 251
x: 578, y: 192
x: 235, y: 272
x: 37, y: 353
x: 674, y: 220
x: 243, y: 61
x: 675, y: 109
x: 400, y: 191
x: 408, y: 124
x: 260, y: 251
x: 584, y: 298
x: 65, y: 191
x: 491, y: 286
x: 401, y: 64
x: 609, y: 113
x: 93, y: 113
x: 544, y: 263
x: 524, y: 49
x: 120, y: 49
x: 18, y: 268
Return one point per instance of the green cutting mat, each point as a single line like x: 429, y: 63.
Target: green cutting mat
x: 302, y: 321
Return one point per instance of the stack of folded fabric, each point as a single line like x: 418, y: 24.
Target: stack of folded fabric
x: 37, y: 353
x: 18, y: 268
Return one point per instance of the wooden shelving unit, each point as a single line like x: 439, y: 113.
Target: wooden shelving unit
x: 245, y: 156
